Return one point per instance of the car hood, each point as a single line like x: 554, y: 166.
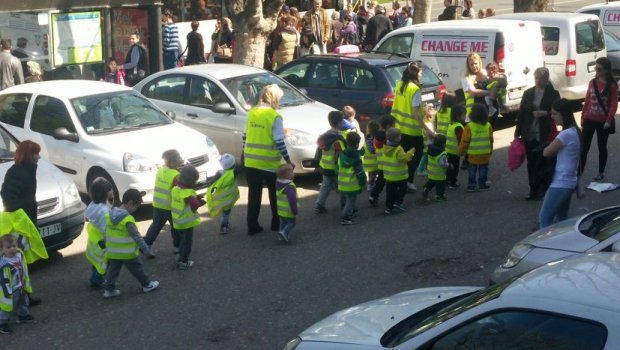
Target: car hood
x: 561, y: 236
x: 310, y: 117
x: 366, y: 323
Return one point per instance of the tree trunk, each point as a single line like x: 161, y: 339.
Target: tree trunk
x: 252, y: 21
x: 530, y: 5
x: 422, y: 11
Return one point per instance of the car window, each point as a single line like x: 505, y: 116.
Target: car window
x: 589, y: 37
x: 49, y: 114
x: 170, y: 88
x: 205, y: 93
x: 398, y: 44
x: 551, y: 40
x: 13, y: 109
x: 295, y: 74
x: 246, y: 89
x: 357, y: 78
x: 324, y: 75
x: 612, y: 41
x: 117, y: 112
x: 8, y: 146
x: 525, y: 329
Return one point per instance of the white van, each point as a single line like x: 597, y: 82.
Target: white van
x: 572, y: 43
x: 609, y: 14
x: 444, y: 46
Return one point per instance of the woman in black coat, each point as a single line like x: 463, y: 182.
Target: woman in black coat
x: 19, y: 189
x: 535, y: 128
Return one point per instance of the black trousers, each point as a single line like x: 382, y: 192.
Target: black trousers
x: 416, y: 142
x: 589, y: 127
x: 452, y: 173
x: 378, y: 186
x: 395, y: 192
x: 256, y: 179
x: 533, y: 157
x: 440, y: 186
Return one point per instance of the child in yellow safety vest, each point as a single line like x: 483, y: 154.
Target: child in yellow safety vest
x: 394, y: 162
x: 429, y: 121
x: 286, y: 193
x: 453, y: 138
x: 123, y: 244
x: 437, y: 166
x: 102, y: 196
x: 351, y: 177
x: 14, y: 283
x: 497, y: 86
x: 477, y: 143
x: 330, y: 144
x: 184, y: 207
x: 379, y: 141
x: 223, y: 193
x: 369, y: 159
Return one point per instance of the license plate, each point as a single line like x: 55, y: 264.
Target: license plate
x: 49, y: 230
x: 515, y: 94
x: 428, y: 97
x: 202, y: 176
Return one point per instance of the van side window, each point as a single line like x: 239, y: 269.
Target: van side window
x: 589, y: 37
x: 13, y: 109
x: 551, y: 40
x: 401, y: 44
x: 48, y: 114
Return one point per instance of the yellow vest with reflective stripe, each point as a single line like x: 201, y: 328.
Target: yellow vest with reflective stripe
x: 29, y: 240
x: 480, y: 142
x: 94, y: 253
x: 393, y: 169
x: 402, y: 110
x: 284, y: 207
x: 118, y: 243
x: 260, y: 149
x: 347, y: 180
x: 452, y: 142
x: 369, y: 160
x: 435, y: 171
x: 164, y: 181
x: 223, y: 193
x: 182, y: 215
x: 443, y: 121
x: 328, y: 157
x: 6, y: 302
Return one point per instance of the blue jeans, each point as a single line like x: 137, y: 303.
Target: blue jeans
x: 95, y: 278
x: 287, y: 225
x: 170, y: 59
x: 555, y: 205
x: 329, y: 183
x: 225, y: 218
x: 160, y: 216
x: 20, y: 307
x: 349, y: 206
x: 482, y: 170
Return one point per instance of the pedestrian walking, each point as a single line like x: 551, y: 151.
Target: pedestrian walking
x: 195, y: 47
x: 137, y: 60
x: 378, y: 26
x: 11, y: 71
x: 394, y: 160
x: 223, y: 193
x: 438, y: 165
x: 184, y: 207
x: 453, y: 139
x: 351, y: 177
x: 317, y: 24
x: 287, y: 201
x: 330, y: 144
x: 102, y: 198
x: 477, y: 143
x: 170, y: 41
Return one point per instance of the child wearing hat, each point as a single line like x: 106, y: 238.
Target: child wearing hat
x: 223, y: 193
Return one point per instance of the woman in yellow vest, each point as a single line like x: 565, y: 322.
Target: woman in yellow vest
x: 408, y: 110
x: 223, y: 193
x: 263, y: 150
x: 184, y: 207
x: 474, y: 74
x: 477, y: 143
x: 102, y: 196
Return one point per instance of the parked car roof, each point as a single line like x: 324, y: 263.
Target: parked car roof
x: 67, y: 88
x: 371, y: 58
x: 218, y: 71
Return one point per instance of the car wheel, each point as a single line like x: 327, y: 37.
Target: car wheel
x: 101, y: 173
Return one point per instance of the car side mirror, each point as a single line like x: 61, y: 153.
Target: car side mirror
x: 171, y: 115
x: 224, y: 108
x: 64, y: 134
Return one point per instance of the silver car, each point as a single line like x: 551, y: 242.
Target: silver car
x: 593, y: 232
x: 572, y: 304
x: 215, y: 99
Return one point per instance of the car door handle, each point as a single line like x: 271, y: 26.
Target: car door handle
x: 192, y: 115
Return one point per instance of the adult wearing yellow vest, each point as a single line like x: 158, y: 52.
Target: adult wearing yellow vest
x: 474, y: 74
x: 477, y: 143
x: 263, y: 150
x: 164, y: 182
x: 408, y: 110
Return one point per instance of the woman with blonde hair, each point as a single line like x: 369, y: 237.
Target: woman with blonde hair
x: 35, y: 73
x: 475, y: 75
x: 263, y: 150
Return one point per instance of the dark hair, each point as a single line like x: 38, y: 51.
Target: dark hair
x: 387, y: 121
x: 195, y: 25
x: 457, y: 112
x: 372, y: 128
x: 439, y: 140
x: 167, y: 12
x: 609, y: 76
x: 188, y: 175
x: 479, y: 113
x: 410, y: 74
x: 171, y: 155
x: 99, y: 189
x: 132, y: 195
x: 447, y: 101
x: 335, y: 118
x: 111, y: 59
x: 563, y: 106
x: 353, y: 140
x: 25, y: 150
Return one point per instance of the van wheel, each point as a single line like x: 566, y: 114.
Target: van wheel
x: 103, y: 174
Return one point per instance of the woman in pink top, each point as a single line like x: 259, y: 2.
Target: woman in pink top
x: 598, y: 113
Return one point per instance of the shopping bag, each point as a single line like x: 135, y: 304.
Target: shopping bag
x: 516, y: 154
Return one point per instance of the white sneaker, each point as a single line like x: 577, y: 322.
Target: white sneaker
x: 150, y: 287
x: 185, y: 265
x: 411, y: 187
x: 108, y: 294
x: 283, y: 236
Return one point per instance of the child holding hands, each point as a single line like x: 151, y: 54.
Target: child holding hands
x: 477, y: 143
x: 286, y: 193
x: 395, y: 171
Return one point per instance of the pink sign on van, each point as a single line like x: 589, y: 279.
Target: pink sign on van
x: 454, y: 47
x: 612, y: 18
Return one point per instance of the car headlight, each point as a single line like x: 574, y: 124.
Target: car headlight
x: 298, y: 138
x: 517, y: 253
x: 214, y: 153
x: 71, y: 195
x: 292, y: 344
x: 134, y: 163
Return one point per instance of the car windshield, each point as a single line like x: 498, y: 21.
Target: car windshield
x: 601, y: 225
x: 429, y: 78
x: 8, y: 146
x: 612, y: 41
x: 117, y: 112
x: 246, y: 90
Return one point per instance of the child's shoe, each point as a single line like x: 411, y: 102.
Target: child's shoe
x: 109, y: 294
x: 283, y: 236
x: 441, y: 198
x: 319, y: 209
x: 484, y: 187
x: 24, y: 319
x: 400, y: 206
x: 5, y: 329
x: 411, y: 187
x: 224, y: 229
x: 346, y: 221
x: 425, y: 194
x: 373, y: 201
x: 453, y: 186
x: 184, y: 265
x: 150, y: 287
x: 471, y: 188
x: 388, y: 211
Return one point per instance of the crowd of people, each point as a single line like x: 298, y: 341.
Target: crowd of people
x: 451, y: 11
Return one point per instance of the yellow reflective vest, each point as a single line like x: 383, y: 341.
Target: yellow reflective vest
x: 29, y: 239
x: 347, y: 180
x: 443, y: 121
x: 480, y: 142
x: 118, y: 243
x: 329, y: 157
x: 182, y: 215
x: 164, y: 181
x: 435, y: 170
x: 369, y: 160
x: 223, y: 193
x: 260, y: 149
x: 94, y: 253
x: 393, y: 168
x: 284, y: 207
x: 402, y: 110
x: 6, y: 301
x: 452, y: 142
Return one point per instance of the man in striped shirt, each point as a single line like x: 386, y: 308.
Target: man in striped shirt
x: 171, y: 44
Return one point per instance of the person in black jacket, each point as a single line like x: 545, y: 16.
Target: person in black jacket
x: 535, y: 128
x: 378, y: 26
x: 20, y: 182
x: 195, y: 47
x: 137, y: 61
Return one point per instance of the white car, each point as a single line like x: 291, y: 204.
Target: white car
x: 60, y: 211
x: 90, y: 129
x: 215, y: 99
x: 570, y: 304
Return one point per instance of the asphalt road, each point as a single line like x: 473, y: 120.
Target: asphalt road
x: 256, y: 292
